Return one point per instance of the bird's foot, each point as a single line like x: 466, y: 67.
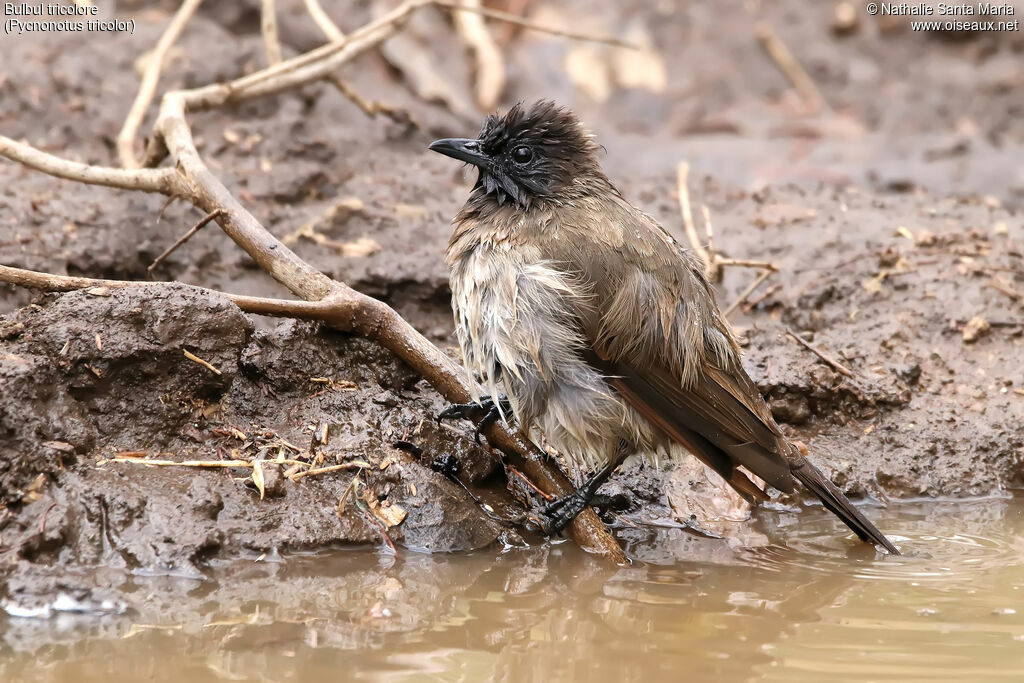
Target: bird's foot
x: 560, y: 513
x: 466, y: 411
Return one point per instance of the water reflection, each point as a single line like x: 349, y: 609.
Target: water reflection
x: 800, y: 603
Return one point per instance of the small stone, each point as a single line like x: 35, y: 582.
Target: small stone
x: 925, y: 238
x: 976, y: 328
x: 844, y: 19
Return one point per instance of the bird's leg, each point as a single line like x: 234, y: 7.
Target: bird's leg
x: 466, y: 411
x: 561, y: 512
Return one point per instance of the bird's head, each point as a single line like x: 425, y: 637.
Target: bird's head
x: 528, y: 154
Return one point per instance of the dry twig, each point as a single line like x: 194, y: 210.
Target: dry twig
x: 369, y: 107
x: 713, y: 263
x: 515, y: 20
x: 842, y: 369
x: 765, y: 274
x: 268, y: 26
x: 490, y: 67
x: 682, y: 175
x: 354, y: 465
x: 126, y: 138
x: 184, y: 238
x: 322, y: 20
x: 327, y: 300
x: 790, y: 67
x: 196, y: 359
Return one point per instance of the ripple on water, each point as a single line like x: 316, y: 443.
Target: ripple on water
x: 953, y: 549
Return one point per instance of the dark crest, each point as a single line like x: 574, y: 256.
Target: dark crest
x: 537, y: 152
x: 527, y: 154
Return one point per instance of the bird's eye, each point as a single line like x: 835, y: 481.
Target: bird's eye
x: 522, y: 155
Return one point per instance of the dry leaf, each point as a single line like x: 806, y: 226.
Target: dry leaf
x: 360, y: 248
x: 904, y: 231
x: 873, y: 284
x: 386, y: 511
x: 257, y: 477
x: 410, y: 210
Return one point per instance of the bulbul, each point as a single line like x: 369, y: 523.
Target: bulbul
x: 603, y: 330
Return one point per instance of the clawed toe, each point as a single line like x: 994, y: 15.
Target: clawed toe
x: 467, y: 411
x: 561, y: 512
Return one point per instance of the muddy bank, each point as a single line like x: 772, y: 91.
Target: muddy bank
x: 887, y: 279
x: 933, y: 409
x: 94, y: 378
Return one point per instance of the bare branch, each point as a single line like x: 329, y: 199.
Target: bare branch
x: 369, y: 107
x: 682, y: 175
x: 490, y: 67
x: 268, y: 25
x: 126, y: 138
x: 326, y: 300
x: 790, y: 67
x: 330, y: 29
x: 526, y: 23
x: 147, y: 180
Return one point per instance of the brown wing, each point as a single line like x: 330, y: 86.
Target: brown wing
x: 658, y: 336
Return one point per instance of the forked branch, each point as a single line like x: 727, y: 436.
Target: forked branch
x: 326, y: 300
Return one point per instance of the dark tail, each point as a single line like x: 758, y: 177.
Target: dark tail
x: 833, y: 499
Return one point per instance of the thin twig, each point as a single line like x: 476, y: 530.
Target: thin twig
x: 765, y: 274
x: 368, y: 514
x: 42, y: 520
x: 369, y: 107
x: 355, y: 464
x: 790, y: 67
x: 1006, y: 289
x: 709, y: 228
x: 126, y: 138
x: 348, y: 490
x: 268, y: 26
x: 182, y: 463
x: 490, y: 67
x: 196, y: 359
x: 529, y: 483
x: 761, y: 297
x: 747, y: 263
x: 321, y: 19
x: 683, y: 174
x: 839, y: 367
x: 526, y: 23
x: 184, y: 238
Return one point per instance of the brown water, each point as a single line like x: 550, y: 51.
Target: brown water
x: 807, y: 605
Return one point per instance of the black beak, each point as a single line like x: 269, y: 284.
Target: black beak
x: 462, y: 149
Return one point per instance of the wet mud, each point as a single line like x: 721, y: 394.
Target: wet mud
x: 893, y: 221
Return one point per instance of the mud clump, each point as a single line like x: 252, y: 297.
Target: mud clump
x: 106, y: 368
x: 97, y: 379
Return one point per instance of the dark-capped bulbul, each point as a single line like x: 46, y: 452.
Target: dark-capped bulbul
x: 603, y: 329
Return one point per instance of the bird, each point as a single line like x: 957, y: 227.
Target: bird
x: 600, y: 327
